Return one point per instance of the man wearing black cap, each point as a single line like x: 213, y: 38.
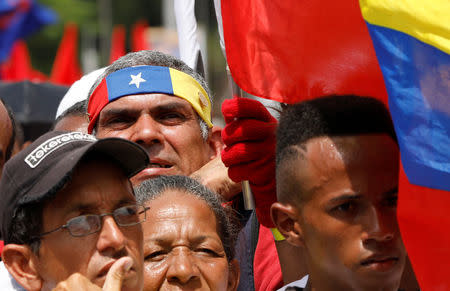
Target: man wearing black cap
x: 68, y: 212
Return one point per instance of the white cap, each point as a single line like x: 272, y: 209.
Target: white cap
x: 78, y: 91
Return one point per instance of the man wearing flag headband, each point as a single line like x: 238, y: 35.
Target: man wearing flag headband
x: 162, y: 104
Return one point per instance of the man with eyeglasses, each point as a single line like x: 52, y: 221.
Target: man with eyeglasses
x: 69, y: 215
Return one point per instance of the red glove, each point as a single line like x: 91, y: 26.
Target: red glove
x: 249, y: 136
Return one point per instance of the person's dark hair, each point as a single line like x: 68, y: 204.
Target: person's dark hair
x: 331, y: 116
x: 10, y: 147
x: 155, y: 58
x: 77, y: 109
x: 336, y: 115
x: 153, y: 188
x: 26, y: 226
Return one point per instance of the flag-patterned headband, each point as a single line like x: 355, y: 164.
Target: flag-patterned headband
x: 148, y: 79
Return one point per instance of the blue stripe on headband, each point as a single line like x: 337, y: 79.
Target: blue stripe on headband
x: 139, y: 80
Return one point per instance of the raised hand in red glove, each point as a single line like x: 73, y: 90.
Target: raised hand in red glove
x: 249, y: 136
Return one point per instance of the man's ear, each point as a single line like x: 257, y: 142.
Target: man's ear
x: 21, y: 263
x: 215, y: 142
x: 285, y: 217
x: 233, y: 275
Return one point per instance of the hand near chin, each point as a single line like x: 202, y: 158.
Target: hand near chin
x: 113, y: 281
x: 214, y: 175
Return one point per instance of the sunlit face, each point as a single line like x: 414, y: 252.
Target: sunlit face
x: 96, y: 187
x: 165, y: 125
x: 182, y: 248
x: 5, y: 135
x: 348, y: 220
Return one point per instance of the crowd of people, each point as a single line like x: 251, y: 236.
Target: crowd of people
x: 136, y: 189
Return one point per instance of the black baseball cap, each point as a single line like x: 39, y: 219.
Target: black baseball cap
x: 44, y: 167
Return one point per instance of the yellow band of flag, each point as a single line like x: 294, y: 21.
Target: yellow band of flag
x: 425, y: 20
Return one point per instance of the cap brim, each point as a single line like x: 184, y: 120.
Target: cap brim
x: 131, y: 157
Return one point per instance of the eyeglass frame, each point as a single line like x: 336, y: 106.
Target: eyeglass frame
x: 100, y: 216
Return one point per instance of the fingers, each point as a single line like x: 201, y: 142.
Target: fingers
x: 259, y: 172
x: 239, y: 107
x: 76, y: 282
x: 116, y: 274
x: 243, y: 130
x: 243, y: 153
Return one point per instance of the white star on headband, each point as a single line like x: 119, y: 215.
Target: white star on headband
x: 136, y: 80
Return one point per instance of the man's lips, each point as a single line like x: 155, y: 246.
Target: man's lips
x: 380, y: 262
x: 105, y: 269
x: 156, y: 167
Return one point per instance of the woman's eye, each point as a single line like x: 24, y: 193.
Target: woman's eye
x: 207, y: 251
x: 155, y: 256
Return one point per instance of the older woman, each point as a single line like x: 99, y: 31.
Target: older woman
x: 188, y: 237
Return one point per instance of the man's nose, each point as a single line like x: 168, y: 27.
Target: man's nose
x: 380, y: 225
x: 182, y: 269
x: 111, y: 238
x: 147, y: 131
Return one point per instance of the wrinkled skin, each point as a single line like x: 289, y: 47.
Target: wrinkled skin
x: 95, y: 253
x: 182, y: 248
x: 165, y: 125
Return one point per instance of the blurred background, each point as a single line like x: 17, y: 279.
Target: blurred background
x: 61, y: 40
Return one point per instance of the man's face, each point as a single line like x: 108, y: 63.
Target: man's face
x: 96, y: 187
x: 182, y: 248
x: 165, y: 125
x: 5, y: 135
x: 348, y: 216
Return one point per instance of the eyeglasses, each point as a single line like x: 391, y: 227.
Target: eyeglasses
x: 91, y: 223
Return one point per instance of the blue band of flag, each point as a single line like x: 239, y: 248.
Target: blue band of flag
x: 417, y: 78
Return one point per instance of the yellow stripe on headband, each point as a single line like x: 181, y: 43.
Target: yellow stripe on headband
x: 188, y: 88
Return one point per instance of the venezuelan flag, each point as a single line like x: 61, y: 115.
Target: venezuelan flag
x: 412, y: 43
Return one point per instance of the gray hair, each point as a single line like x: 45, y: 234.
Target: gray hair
x: 156, y: 58
x: 154, y: 188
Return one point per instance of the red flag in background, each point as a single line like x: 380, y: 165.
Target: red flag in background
x: 138, y: 38
x: 18, y: 66
x: 293, y: 50
x: 117, y: 43
x: 66, y: 68
x: 423, y: 217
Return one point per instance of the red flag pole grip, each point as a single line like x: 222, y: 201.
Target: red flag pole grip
x: 249, y: 201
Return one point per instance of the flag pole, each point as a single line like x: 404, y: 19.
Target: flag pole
x: 249, y: 201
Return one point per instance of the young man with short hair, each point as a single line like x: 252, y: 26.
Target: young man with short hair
x: 337, y: 179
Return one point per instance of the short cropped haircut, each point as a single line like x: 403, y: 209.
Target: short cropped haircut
x: 12, y: 118
x: 154, y: 188
x: 155, y: 58
x: 331, y: 116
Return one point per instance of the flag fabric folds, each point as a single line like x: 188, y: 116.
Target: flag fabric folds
x: 412, y: 43
x: 18, y: 19
x: 188, y: 41
x: 293, y: 50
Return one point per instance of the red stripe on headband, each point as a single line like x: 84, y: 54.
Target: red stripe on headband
x: 97, y: 101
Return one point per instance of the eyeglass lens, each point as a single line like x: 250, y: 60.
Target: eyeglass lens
x: 123, y: 216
